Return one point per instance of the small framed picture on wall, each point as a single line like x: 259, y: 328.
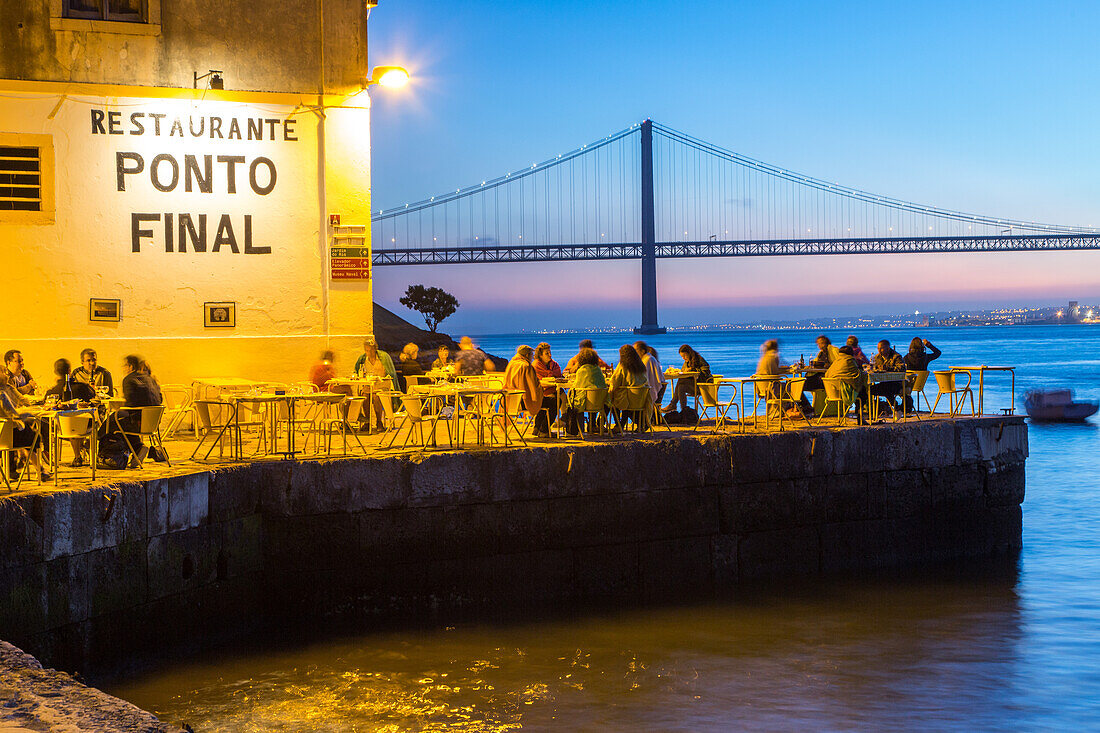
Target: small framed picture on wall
x: 220, y: 315
x: 104, y: 309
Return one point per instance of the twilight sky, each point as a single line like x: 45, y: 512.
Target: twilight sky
x: 984, y: 107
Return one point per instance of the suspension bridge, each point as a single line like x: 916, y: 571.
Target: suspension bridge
x: 650, y: 192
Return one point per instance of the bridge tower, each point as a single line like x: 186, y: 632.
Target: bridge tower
x: 649, y: 247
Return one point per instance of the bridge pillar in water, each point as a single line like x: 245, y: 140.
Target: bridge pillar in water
x: 649, y: 248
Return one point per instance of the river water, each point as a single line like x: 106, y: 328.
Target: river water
x: 1007, y: 646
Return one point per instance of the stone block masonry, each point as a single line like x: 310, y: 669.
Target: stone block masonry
x: 91, y: 578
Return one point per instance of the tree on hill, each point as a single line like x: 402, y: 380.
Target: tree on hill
x: 435, y: 304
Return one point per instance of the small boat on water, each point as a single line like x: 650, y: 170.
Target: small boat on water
x: 1057, y: 405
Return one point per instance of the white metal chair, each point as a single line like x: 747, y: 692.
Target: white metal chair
x: 783, y: 402
x: 177, y: 405
x: 333, y: 419
x: 594, y: 406
x: 840, y: 394
x: 914, y: 385
x: 7, y: 447
x: 148, y: 429
x: 948, y: 385
x: 710, y: 401
x: 75, y: 426
x: 512, y: 415
x: 415, y: 415
x: 636, y: 405
x: 216, y: 418
x: 479, y: 409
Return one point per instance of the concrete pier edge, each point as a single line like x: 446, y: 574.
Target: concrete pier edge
x: 92, y: 577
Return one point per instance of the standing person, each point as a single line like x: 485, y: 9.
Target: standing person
x: 25, y: 438
x: 546, y: 368
x: 629, y: 372
x: 655, y: 376
x: 689, y: 386
x: 408, y: 366
x: 324, y: 370
x: 857, y: 353
x: 520, y: 376
x: 93, y: 374
x: 917, y: 361
x: 21, y: 380
x: 470, y: 360
x: 572, y: 364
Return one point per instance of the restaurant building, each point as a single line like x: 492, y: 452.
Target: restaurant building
x: 170, y: 175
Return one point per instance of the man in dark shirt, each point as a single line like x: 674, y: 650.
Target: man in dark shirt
x: 92, y: 374
x: 139, y: 390
x: 887, y: 360
x: 470, y: 360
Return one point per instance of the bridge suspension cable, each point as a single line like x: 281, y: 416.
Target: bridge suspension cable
x: 707, y: 201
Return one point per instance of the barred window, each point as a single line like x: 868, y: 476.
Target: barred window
x: 132, y: 11
x: 20, y: 179
x: 26, y: 178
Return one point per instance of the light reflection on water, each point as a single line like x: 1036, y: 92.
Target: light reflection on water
x: 981, y: 649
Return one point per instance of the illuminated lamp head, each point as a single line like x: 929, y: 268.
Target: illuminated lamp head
x: 388, y: 76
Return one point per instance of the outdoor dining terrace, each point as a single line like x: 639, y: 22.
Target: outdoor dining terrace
x: 228, y: 421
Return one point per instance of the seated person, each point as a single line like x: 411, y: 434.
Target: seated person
x: 887, y: 360
x: 845, y: 369
x: 443, y: 358
x: 687, y: 386
x: 139, y: 389
x: 546, y: 368
x: 629, y: 372
x: 589, y: 376
x: 375, y: 363
x: 20, y: 379
x: 826, y: 355
x: 93, y: 374
x: 769, y: 366
x: 655, y: 375
x: 917, y: 361
x: 520, y: 376
x: 66, y: 389
x: 324, y: 370
x: 918, y: 357
x: 407, y: 364
x: 470, y: 360
x: 857, y: 353
x: 25, y: 438
x: 572, y: 364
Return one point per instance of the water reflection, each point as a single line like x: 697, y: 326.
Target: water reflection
x: 988, y: 649
x: 836, y: 654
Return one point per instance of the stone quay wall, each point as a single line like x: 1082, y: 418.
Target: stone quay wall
x: 91, y: 577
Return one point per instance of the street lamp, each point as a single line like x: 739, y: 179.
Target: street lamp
x: 388, y: 76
